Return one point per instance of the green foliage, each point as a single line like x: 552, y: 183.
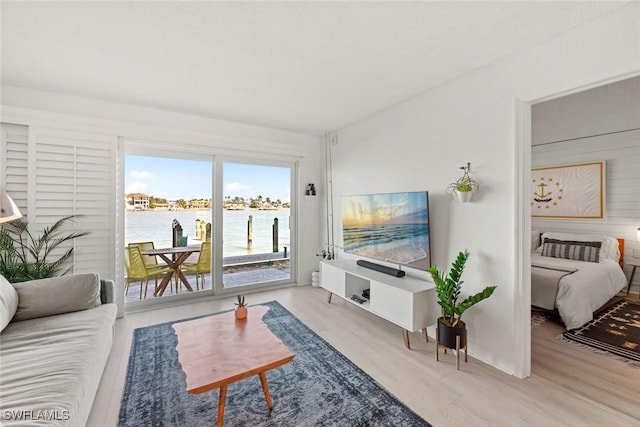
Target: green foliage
x: 448, y: 287
x: 464, y: 184
x: 25, y: 257
x: 240, y: 302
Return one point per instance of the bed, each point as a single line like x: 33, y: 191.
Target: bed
x: 575, y: 274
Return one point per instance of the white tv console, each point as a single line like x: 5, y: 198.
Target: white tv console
x: 403, y: 301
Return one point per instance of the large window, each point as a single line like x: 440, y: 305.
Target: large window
x: 204, y: 226
x: 255, y: 224
x: 168, y: 207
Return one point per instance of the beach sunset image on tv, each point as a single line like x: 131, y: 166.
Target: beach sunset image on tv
x: 392, y: 227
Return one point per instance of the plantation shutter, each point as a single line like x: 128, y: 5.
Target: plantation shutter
x: 13, y: 163
x: 73, y: 173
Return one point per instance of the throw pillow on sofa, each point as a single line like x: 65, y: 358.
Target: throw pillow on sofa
x: 64, y: 295
x: 8, y: 302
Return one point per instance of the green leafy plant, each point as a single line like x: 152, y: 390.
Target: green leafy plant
x: 240, y: 302
x: 464, y: 184
x: 25, y: 257
x: 448, y: 287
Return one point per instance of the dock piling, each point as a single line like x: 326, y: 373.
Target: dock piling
x: 250, y: 232
x: 275, y: 235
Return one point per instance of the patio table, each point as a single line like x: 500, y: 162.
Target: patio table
x: 182, y: 252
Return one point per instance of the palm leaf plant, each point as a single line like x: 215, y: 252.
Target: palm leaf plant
x: 448, y: 288
x: 24, y: 256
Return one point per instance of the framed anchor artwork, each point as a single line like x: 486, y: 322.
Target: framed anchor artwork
x: 568, y: 191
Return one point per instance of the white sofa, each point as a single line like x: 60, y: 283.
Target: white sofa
x: 54, y: 345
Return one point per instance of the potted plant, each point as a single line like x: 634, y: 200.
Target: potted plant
x: 241, y: 310
x: 25, y: 257
x: 448, y: 287
x: 463, y: 187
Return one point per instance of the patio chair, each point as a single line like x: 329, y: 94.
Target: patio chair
x: 203, y: 265
x: 151, y: 261
x: 129, y: 277
x: 138, y: 269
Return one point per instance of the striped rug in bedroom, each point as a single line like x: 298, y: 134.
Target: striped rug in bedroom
x: 615, y: 330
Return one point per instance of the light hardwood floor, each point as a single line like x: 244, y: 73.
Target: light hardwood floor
x: 570, y: 386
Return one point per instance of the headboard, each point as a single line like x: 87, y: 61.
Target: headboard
x: 621, y: 247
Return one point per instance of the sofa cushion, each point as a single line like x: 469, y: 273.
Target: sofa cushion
x: 8, y: 302
x: 53, y: 365
x: 57, y: 295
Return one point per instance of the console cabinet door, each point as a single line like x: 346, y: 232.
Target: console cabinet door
x: 395, y: 305
x: 332, y: 279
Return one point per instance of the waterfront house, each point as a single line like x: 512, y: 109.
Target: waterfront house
x: 137, y: 201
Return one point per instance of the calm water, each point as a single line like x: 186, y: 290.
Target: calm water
x: 406, y: 244
x: 156, y: 226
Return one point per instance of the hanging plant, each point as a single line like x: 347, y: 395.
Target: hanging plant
x: 464, y: 187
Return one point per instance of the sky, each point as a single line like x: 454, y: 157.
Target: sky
x: 383, y: 208
x: 174, y: 179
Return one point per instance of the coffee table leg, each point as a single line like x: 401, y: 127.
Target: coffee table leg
x: 223, y: 397
x: 265, y: 388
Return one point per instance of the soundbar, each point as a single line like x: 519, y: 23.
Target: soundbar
x: 381, y: 268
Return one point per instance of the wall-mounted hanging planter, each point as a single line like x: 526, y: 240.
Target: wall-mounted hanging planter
x: 463, y: 188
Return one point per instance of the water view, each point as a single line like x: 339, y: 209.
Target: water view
x: 161, y: 190
x: 155, y: 226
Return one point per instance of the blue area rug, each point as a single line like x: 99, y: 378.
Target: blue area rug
x: 319, y: 387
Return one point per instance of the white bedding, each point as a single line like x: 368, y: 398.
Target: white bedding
x: 586, y: 290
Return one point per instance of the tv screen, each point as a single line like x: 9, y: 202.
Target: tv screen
x: 392, y: 227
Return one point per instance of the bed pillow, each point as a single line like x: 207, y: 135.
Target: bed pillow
x: 568, y: 249
x: 608, y: 251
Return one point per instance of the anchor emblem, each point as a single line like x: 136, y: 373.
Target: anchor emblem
x: 544, y: 195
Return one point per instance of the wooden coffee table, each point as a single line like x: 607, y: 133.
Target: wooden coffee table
x: 216, y: 351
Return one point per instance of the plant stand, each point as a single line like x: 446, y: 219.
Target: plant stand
x: 459, y: 338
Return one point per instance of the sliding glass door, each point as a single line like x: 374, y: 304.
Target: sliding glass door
x: 256, y: 235
x: 168, y: 216
x: 204, y: 226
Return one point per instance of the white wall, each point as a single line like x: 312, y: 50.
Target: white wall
x: 168, y: 130
x: 420, y: 144
x: 600, y: 124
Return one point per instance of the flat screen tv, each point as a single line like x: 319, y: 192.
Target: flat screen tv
x: 391, y: 227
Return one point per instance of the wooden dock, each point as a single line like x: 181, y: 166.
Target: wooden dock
x: 238, y: 271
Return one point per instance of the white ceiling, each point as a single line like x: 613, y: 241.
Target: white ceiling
x: 302, y: 66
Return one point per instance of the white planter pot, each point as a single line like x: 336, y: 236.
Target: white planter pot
x: 464, y: 196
